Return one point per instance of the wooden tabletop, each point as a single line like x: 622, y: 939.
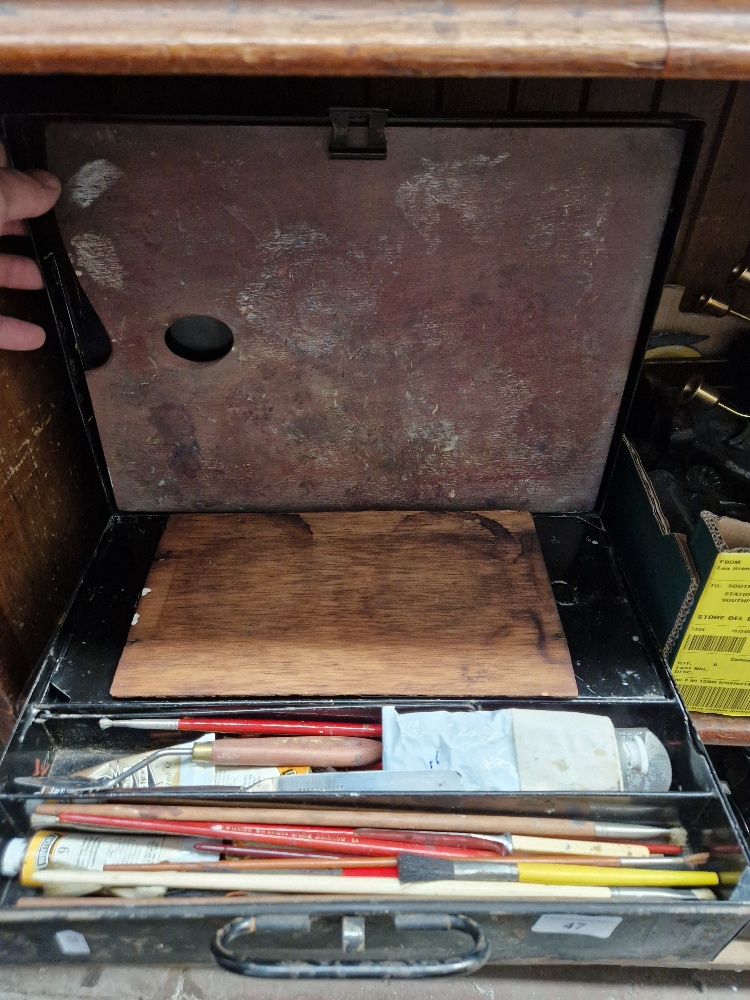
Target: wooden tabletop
x: 675, y: 38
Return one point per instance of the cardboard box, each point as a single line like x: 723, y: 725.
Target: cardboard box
x: 712, y: 665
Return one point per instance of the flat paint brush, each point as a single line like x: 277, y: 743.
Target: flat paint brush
x: 412, y: 868
x: 393, y: 819
x: 335, y: 885
x: 258, y: 727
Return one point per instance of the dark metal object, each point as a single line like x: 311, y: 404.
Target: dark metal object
x: 712, y: 306
x: 619, y: 672
x: 461, y: 964
x: 741, y: 275
x: 92, y: 339
x: 372, y: 119
x: 695, y: 389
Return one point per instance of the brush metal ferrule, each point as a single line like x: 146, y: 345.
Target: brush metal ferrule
x: 202, y: 751
x: 626, y: 831
x: 171, y: 725
x: 496, y: 871
x: 673, y: 863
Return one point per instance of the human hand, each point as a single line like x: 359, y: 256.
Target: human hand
x: 22, y: 196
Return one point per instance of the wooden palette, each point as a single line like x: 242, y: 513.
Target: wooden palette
x: 446, y: 329
x: 454, y: 604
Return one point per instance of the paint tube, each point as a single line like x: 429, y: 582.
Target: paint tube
x: 527, y: 750
x: 24, y: 857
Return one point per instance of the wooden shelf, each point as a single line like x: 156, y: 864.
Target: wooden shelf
x: 677, y: 38
x: 722, y: 730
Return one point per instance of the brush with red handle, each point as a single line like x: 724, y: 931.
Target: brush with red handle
x: 345, y: 842
x: 256, y: 727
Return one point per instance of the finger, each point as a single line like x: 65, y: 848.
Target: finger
x: 14, y: 229
x: 18, y: 335
x: 3, y: 156
x: 19, y: 272
x: 23, y: 196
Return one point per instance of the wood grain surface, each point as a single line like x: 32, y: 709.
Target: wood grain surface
x: 449, y: 328
x: 688, y: 38
x: 387, y: 603
x: 722, y: 730
x: 377, y: 37
x: 52, y: 505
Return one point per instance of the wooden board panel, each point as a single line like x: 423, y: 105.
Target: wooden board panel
x: 52, y: 504
x: 449, y: 328
x: 722, y: 730
x: 387, y: 603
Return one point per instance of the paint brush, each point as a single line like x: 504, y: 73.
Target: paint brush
x: 504, y: 843
x: 262, y: 851
x: 247, y: 850
x: 344, y: 871
x: 393, y: 819
x: 347, y: 841
x: 338, y: 843
x: 258, y: 727
x: 335, y: 885
x: 262, y: 864
x: 308, y: 863
x: 413, y: 868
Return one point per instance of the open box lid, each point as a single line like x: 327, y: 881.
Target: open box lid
x: 451, y: 327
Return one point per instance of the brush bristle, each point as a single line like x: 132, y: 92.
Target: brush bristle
x: 678, y: 835
x: 416, y: 868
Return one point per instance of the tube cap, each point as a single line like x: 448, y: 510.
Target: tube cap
x: 13, y: 855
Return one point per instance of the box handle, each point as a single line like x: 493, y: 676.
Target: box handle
x: 352, y: 942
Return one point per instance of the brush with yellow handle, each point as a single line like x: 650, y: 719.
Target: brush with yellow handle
x: 415, y: 868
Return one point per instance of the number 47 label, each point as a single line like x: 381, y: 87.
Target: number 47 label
x: 573, y: 923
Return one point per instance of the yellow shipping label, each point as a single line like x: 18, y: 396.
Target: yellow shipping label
x: 712, y: 668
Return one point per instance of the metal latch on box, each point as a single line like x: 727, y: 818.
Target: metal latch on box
x: 344, y: 145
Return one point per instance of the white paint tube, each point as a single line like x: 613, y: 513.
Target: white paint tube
x: 527, y: 750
